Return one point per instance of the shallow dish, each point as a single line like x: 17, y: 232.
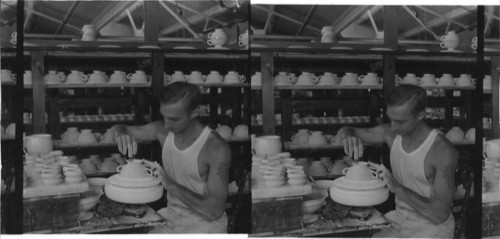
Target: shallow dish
x: 185, y: 48
x: 68, y: 45
x: 380, y: 49
x: 417, y: 50
x: 218, y: 48
x: 453, y: 51
x: 341, y: 48
x: 90, y: 198
x: 109, y: 46
x: 148, y: 47
x: 299, y: 47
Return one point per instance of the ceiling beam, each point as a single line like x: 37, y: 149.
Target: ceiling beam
x: 269, y: 23
x: 70, y: 26
x: 174, y: 2
x: 306, y: 20
x: 348, y: 16
x: 441, y: 19
x: 28, y: 15
x: 7, y: 5
x: 131, y: 9
x: 110, y: 12
x: 181, y: 21
x: 314, y: 29
x: 373, y: 10
x: 213, y: 11
x: 67, y: 16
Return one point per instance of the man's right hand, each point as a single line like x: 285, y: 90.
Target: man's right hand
x: 353, y: 146
x: 126, y: 144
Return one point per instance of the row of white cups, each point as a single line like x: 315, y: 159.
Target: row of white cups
x: 370, y: 79
x: 120, y: 77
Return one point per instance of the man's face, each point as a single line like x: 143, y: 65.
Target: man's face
x: 403, y: 120
x: 176, y: 117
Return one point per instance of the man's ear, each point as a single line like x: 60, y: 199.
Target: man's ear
x: 195, y: 112
x: 421, y: 115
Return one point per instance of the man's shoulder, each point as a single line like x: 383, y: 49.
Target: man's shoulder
x: 216, y: 145
x: 443, y: 149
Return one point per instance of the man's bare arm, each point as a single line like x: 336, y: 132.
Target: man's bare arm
x: 354, y: 138
x: 127, y: 136
x: 436, y: 208
x: 210, y: 206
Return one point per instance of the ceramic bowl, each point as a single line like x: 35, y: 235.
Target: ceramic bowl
x: 297, y: 181
x: 268, y: 145
x: 312, y: 202
x: 73, y: 179
x: 52, y: 181
x: 90, y: 198
x: 73, y: 173
x: 274, y: 183
x: 100, y: 182
x: 134, y: 169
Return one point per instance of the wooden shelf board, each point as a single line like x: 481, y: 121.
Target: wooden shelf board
x: 328, y: 87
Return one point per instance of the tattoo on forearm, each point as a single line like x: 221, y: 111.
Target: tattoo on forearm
x: 223, y: 170
x: 449, y: 175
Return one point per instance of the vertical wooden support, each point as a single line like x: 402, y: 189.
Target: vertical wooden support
x: 37, y: 67
x: 158, y: 64
x: 267, y: 69
x: 151, y: 27
x: 391, y: 41
x: 286, y: 115
x: 495, y: 74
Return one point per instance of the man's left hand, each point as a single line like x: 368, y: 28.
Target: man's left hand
x: 160, y: 173
x: 389, y: 179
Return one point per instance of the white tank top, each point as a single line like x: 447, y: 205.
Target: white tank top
x: 408, y: 168
x: 182, y: 165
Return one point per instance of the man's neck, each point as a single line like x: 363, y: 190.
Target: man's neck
x: 191, y: 131
x: 419, y: 133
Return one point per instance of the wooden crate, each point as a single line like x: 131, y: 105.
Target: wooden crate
x: 276, y: 214
x: 50, y: 212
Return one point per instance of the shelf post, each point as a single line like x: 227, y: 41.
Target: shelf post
x: 390, y: 41
x: 267, y: 69
x: 38, y: 69
x: 495, y: 74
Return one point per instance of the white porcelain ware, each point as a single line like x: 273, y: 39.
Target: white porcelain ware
x: 240, y: 131
x: 118, y: 77
x: 491, y: 149
x: 282, y: 78
x: 39, y: 143
x: 455, y: 135
x: 243, y: 39
x: 317, y: 169
x: 97, y: 77
x: 329, y: 78
x: 224, y: 131
x: 196, y: 78
x: 86, y: 137
x: 446, y: 80
x: 76, y: 77
x: 428, y: 80
x: 307, y: 78
x: 232, y: 77
x: 349, y: 79
x: 217, y: 38
x: 450, y: 41
x: 487, y: 82
x: 70, y: 135
x: 52, y: 78
x: 359, y: 172
x: 27, y: 78
x: 139, y: 77
x: 256, y: 79
x: 214, y: 78
x: 465, y: 80
x: 89, y: 33
x: 7, y: 76
x: 328, y: 34
x: 317, y: 139
x: 301, y: 136
x: 268, y: 145
x: 411, y: 78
